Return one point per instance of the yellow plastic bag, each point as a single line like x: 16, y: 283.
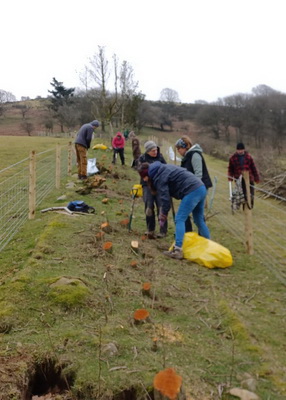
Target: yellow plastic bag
x: 99, y: 146
x: 205, y: 251
x: 137, y: 190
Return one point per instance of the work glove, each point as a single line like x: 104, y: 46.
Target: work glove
x: 162, y: 220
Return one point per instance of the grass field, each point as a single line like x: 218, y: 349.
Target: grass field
x: 17, y: 148
x: 219, y: 329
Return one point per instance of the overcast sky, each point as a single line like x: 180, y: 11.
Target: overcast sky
x: 203, y: 49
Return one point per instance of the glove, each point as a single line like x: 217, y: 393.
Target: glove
x: 162, y: 220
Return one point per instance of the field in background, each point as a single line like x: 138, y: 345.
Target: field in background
x: 17, y: 148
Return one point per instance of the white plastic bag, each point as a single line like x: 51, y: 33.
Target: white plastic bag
x: 91, y: 167
x: 171, y: 154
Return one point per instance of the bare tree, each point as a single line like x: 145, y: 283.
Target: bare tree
x: 68, y: 115
x: 169, y: 95
x: 277, y: 120
x: 24, y: 108
x: 263, y: 90
x: 28, y: 127
x: 5, y: 97
x: 128, y: 87
x: 99, y: 72
x: 84, y: 77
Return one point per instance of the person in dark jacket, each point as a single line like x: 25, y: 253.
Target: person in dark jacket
x: 172, y: 181
x: 194, y: 162
x: 136, y: 151
x: 118, y: 143
x: 240, y: 161
x: 82, y: 144
x: 152, y: 154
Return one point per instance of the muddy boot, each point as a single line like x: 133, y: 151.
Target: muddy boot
x: 176, y: 253
x: 161, y: 235
x: 151, y: 235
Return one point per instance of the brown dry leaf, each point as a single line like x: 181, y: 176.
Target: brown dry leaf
x: 167, y: 334
x: 243, y: 394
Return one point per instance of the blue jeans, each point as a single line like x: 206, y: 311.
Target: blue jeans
x: 193, y: 202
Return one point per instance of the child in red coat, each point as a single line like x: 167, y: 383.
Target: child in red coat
x: 118, y: 143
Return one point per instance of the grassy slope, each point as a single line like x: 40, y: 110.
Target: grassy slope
x: 218, y: 328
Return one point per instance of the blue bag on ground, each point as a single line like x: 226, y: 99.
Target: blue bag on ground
x: 80, y: 206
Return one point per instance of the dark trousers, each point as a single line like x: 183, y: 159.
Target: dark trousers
x: 150, y: 201
x: 251, y: 192
x: 121, y: 154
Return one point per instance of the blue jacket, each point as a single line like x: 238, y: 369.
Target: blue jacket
x: 84, y: 135
x: 172, y: 181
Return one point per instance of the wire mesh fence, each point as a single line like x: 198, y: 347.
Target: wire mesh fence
x: 15, y: 187
x: 268, y: 217
x: 268, y: 214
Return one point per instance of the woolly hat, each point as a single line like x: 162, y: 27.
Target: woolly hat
x: 95, y: 123
x: 143, y: 169
x: 143, y: 173
x: 150, y: 145
x: 240, y: 146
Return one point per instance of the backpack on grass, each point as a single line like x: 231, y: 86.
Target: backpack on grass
x: 80, y: 206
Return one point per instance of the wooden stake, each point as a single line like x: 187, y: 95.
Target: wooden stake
x: 32, y: 185
x: 141, y: 316
x: 69, y: 158
x: 168, y: 386
x: 58, y: 166
x: 248, y: 216
x: 105, y: 227
x: 146, y: 289
x: 135, y: 245
x: 107, y: 246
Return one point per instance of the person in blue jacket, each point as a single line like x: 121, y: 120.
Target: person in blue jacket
x: 168, y: 181
x: 82, y: 144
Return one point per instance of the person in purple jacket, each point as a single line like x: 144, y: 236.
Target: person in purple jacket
x: 82, y: 144
x: 168, y: 181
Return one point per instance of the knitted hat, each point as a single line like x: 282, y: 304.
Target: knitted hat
x: 95, y: 123
x: 143, y: 169
x: 143, y: 173
x: 240, y: 146
x: 150, y: 145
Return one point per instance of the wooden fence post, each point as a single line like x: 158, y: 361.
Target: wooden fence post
x: 248, y: 216
x: 69, y: 158
x: 58, y: 166
x: 32, y: 185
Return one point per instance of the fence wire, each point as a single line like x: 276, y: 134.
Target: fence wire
x: 14, y: 190
x: 268, y: 218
